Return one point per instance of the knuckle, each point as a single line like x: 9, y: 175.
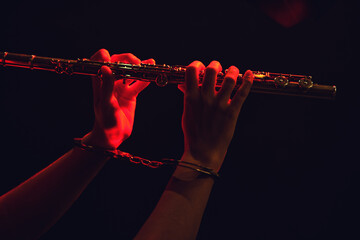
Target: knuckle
x: 232, y: 72
x: 151, y: 61
x: 195, y: 64
x: 129, y: 55
x: 243, y: 92
x: 125, y: 58
x: 103, y: 51
x: 247, y: 84
x: 248, y: 77
x: 233, y: 69
x: 102, y: 54
x: 215, y: 63
x: 191, y: 68
x: 211, y: 70
x: 230, y: 80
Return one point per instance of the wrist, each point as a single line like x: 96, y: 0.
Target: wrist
x: 207, y: 160
x: 190, y: 168
x: 101, y: 140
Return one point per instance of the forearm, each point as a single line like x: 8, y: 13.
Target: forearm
x: 35, y: 205
x: 180, y: 209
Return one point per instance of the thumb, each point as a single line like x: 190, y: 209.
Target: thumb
x: 107, y: 87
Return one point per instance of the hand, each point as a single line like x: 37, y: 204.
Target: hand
x: 210, y: 117
x: 114, y: 102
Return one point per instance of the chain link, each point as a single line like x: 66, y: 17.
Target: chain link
x: 117, y: 154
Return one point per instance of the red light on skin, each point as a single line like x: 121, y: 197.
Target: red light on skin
x: 287, y: 13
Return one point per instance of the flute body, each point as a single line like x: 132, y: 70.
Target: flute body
x: 264, y: 82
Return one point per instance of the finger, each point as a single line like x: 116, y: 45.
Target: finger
x: 243, y: 91
x: 228, y: 84
x: 211, y: 72
x: 128, y: 58
x: 150, y: 61
x: 139, y: 86
x: 103, y: 56
x: 192, y: 77
x: 107, y: 87
x: 125, y: 58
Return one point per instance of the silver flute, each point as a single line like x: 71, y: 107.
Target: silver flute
x: 264, y: 82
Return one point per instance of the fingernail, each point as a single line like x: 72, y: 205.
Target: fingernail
x: 249, y: 76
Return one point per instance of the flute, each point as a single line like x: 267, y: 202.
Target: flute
x: 264, y: 82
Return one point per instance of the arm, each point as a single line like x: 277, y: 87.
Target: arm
x: 31, y: 208
x: 208, y: 123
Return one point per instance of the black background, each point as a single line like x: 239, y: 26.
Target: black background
x: 292, y: 168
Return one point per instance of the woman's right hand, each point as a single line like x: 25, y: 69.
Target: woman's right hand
x: 114, y: 102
